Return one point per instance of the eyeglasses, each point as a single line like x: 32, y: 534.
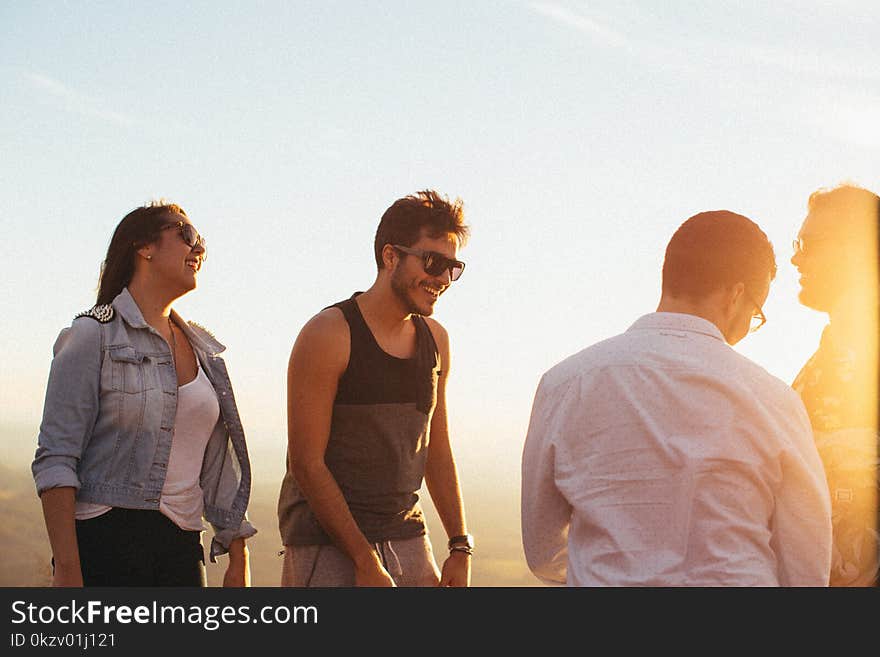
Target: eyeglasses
x: 190, y: 236
x: 758, y: 318
x: 800, y: 247
x: 435, y: 263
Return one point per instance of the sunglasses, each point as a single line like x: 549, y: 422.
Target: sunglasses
x: 189, y: 235
x: 435, y: 263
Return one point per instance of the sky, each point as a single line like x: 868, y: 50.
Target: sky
x: 578, y: 134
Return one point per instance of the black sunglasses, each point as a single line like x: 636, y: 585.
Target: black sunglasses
x: 435, y: 263
x: 190, y: 236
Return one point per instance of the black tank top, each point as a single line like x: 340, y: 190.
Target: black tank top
x: 378, y: 440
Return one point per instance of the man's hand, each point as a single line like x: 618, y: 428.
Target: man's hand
x: 456, y: 570
x: 372, y: 573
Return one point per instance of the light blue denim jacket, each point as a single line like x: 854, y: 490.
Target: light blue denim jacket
x: 108, y: 419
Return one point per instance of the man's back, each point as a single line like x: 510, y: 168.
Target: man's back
x: 678, y: 462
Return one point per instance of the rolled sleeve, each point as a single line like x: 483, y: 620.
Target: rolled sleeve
x: 223, y: 536
x: 71, y: 406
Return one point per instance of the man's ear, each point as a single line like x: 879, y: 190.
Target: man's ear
x: 390, y: 257
x: 729, y: 299
x: 734, y: 297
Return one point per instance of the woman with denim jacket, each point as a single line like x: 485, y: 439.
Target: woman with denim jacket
x: 140, y: 437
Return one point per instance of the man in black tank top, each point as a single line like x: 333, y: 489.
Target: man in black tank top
x: 366, y: 409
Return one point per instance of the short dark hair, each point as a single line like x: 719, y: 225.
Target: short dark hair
x: 139, y: 227
x: 428, y: 211
x: 714, y: 250
x: 850, y: 205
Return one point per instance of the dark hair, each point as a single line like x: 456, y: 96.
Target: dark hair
x: 137, y: 228
x: 426, y: 210
x: 717, y: 249
x: 850, y: 205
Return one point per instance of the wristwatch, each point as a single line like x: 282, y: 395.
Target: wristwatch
x: 463, y: 541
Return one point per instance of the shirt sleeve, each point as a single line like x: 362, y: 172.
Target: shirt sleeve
x: 71, y: 405
x: 221, y: 465
x: 223, y: 536
x: 802, y: 518
x: 546, y: 514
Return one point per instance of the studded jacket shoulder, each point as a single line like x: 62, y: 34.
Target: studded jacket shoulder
x: 103, y: 313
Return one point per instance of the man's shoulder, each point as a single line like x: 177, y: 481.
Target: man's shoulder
x: 322, y: 344
x: 589, y: 359
x: 632, y: 349
x: 329, y: 322
x: 755, y: 375
x: 438, y: 332
x: 435, y: 326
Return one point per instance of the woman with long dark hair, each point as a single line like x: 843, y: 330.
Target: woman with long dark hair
x: 141, y: 438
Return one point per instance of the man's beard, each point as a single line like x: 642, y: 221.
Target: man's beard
x: 403, y: 292
x: 816, y: 297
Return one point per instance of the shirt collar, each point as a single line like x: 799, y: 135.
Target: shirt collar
x: 677, y: 322
x: 200, y: 338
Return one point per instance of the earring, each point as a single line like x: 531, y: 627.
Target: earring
x: 149, y: 257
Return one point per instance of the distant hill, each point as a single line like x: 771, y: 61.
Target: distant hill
x: 492, y: 515
x: 26, y: 553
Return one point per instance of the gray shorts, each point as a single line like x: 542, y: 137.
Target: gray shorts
x: 410, y: 562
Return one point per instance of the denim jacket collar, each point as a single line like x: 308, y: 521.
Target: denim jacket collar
x: 199, y: 337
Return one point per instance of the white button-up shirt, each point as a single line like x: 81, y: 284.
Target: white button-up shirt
x: 662, y: 457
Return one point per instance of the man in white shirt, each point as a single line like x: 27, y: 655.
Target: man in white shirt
x: 662, y: 457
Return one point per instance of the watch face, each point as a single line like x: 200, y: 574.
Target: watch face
x: 466, y: 539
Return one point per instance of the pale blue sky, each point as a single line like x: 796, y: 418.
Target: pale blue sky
x: 579, y: 134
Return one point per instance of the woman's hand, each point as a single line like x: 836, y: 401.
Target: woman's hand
x: 238, y: 572
x: 58, y: 511
x: 237, y: 575
x: 70, y: 575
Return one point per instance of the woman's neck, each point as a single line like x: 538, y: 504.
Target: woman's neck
x: 154, y: 304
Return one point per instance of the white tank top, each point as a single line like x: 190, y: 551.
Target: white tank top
x: 181, y: 499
